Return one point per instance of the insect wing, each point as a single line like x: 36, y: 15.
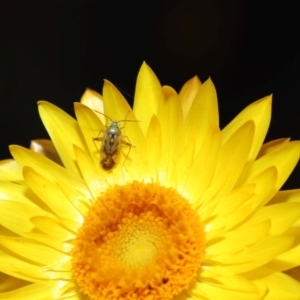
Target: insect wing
x: 111, y: 140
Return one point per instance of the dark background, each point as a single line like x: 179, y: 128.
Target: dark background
x: 53, y: 50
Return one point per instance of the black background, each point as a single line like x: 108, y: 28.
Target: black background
x: 53, y: 50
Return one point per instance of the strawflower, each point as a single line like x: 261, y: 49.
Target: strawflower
x: 183, y: 211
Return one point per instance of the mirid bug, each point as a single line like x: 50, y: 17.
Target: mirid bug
x: 111, y: 141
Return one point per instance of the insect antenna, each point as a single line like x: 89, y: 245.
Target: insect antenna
x: 106, y: 116
x: 129, y: 121
x: 100, y: 113
x: 124, y: 92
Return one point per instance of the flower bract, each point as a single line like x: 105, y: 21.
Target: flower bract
x: 154, y: 202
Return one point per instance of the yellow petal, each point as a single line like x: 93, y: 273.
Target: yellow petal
x: 211, y: 290
x: 18, y: 193
x: 187, y: 94
x: 21, y: 215
x: 280, y: 286
x: 115, y: 105
x: 50, y: 242
x: 206, y: 160
x: 42, y: 291
x: 171, y: 122
x: 168, y: 92
x: 284, y: 159
x: 271, y: 146
x: 152, y: 152
x: 228, y: 203
x: 147, y: 94
x: 264, y: 188
x: 286, y: 196
x: 52, y: 196
x: 295, y: 273
x: 227, y: 281
x: 233, y: 156
x: 183, y: 296
x: 94, y: 101
x: 48, y: 169
x: 16, y: 266
x: 11, y: 171
x: 203, y: 112
x: 253, y: 257
x: 282, y: 216
x: 31, y: 250
x: 185, y: 165
x: 80, y: 201
x: 64, y: 132
x: 46, y: 148
x: 167, y: 172
x: 234, y: 241
x: 91, y: 128
x: 95, y: 176
x: 289, y: 259
x: 53, y: 228
x: 8, y: 283
x: 260, y: 113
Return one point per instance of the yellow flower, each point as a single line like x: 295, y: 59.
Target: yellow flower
x: 181, y: 211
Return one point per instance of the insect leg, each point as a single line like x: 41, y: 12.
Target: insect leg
x: 98, y: 139
x: 128, y: 143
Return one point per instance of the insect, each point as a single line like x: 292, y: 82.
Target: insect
x: 111, y: 140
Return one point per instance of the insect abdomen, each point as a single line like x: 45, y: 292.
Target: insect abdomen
x: 107, y: 162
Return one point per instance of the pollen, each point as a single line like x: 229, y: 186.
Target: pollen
x: 138, y: 241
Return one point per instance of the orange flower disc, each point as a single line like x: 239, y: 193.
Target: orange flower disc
x: 138, y: 241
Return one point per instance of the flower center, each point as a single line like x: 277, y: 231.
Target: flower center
x: 138, y: 241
